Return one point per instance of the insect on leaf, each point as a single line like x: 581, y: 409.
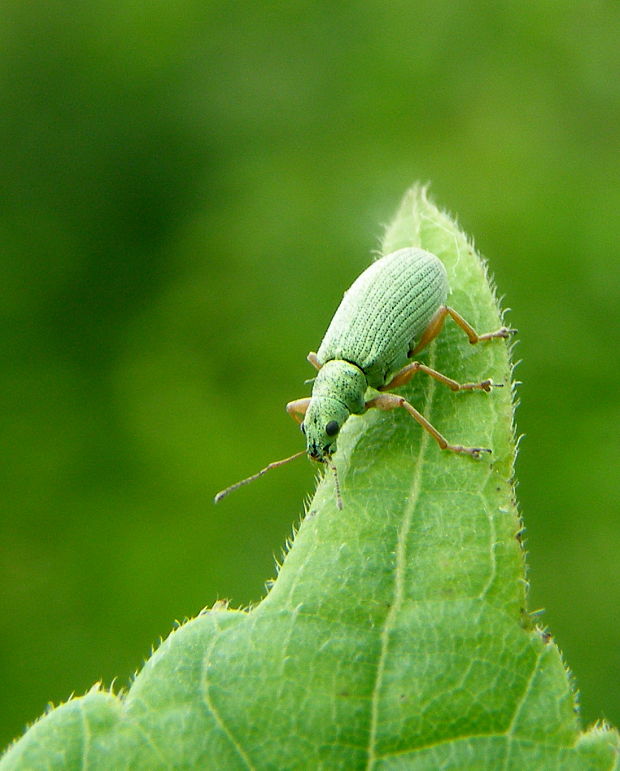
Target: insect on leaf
x: 395, y: 635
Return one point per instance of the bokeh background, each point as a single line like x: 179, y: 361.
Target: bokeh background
x: 187, y: 188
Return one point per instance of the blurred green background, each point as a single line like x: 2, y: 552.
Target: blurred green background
x: 187, y: 188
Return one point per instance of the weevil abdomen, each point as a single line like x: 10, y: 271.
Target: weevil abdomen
x: 385, y: 312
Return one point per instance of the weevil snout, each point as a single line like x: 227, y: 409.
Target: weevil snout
x: 319, y: 451
x: 314, y: 451
x: 322, y: 454
x: 322, y: 424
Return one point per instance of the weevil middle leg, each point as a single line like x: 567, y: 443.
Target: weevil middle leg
x: 392, y: 402
x: 313, y: 359
x: 406, y: 373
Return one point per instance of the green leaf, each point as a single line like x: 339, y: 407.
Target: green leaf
x: 396, y: 634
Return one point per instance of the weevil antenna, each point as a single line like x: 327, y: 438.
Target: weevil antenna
x: 332, y: 466
x: 275, y: 464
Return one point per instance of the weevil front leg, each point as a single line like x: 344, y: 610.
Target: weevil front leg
x: 392, y: 402
x: 298, y: 408
x: 407, y: 372
x: 436, y: 325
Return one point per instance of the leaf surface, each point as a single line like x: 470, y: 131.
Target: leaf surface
x: 395, y: 635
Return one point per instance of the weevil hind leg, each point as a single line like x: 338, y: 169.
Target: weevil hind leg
x: 436, y: 325
x: 406, y: 373
x: 471, y: 333
x: 392, y: 402
x: 298, y: 408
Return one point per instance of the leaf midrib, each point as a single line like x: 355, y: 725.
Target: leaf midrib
x: 400, y: 567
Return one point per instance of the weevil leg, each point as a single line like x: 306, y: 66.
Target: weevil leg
x: 406, y: 373
x: 312, y: 358
x: 471, y: 333
x: 436, y: 324
x: 298, y: 408
x: 434, y: 327
x: 392, y: 402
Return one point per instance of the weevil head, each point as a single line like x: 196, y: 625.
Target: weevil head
x: 322, y: 423
x: 338, y: 392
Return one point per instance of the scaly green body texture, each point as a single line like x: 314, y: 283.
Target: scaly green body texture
x: 385, y: 312
x: 392, y: 310
x: 376, y: 327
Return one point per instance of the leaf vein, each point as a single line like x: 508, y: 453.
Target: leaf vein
x: 399, y: 574
x: 213, y: 709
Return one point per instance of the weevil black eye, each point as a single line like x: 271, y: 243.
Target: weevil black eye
x: 332, y: 428
x: 302, y: 428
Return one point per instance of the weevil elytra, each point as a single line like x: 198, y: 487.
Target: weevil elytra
x: 393, y: 310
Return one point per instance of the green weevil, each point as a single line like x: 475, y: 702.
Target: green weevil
x: 390, y: 313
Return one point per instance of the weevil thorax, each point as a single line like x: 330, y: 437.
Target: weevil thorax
x: 338, y: 392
